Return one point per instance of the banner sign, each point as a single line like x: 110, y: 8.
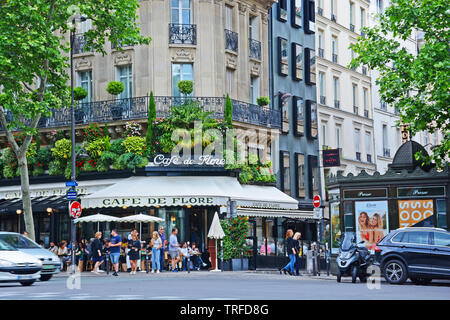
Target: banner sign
x: 421, y: 192
x: 371, y: 222
x: 411, y: 212
x: 372, y: 193
x: 335, y: 222
x: 331, y: 158
x: 165, y: 161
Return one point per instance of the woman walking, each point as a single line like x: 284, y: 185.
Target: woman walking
x: 156, y: 246
x: 290, y: 246
x: 97, y: 248
x: 297, y: 236
x: 135, y: 247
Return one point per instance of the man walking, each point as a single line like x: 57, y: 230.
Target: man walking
x: 173, y: 249
x: 161, y: 251
x: 114, y: 244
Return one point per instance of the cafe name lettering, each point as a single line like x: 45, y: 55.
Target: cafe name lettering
x: 157, y: 201
x: 180, y: 161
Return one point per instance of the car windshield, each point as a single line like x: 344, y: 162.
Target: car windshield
x: 349, y: 241
x: 18, y: 241
x: 4, y: 246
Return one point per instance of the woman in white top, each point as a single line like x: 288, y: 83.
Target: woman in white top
x: 156, y: 245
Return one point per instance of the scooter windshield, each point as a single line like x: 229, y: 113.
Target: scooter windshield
x: 348, y: 242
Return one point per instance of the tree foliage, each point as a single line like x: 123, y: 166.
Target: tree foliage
x: 416, y: 85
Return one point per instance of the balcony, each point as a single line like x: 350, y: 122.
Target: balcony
x: 333, y: 17
x: 383, y: 105
x: 358, y: 156
x: 320, y: 11
x: 137, y: 108
x: 386, y: 152
x: 334, y: 58
x: 355, y: 109
x: 255, y: 49
x: 231, y: 40
x: 364, y: 70
x: 352, y: 27
x: 366, y: 113
x: 121, y: 45
x: 79, y: 44
x: 321, y: 52
x: 322, y: 100
x: 182, y: 33
x: 337, y: 104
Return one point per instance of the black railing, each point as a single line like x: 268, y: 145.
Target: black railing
x: 386, y: 152
x: 352, y: 27
x: 333, y: 17
x: 355, y: 109
x: 369, y: 158
x: 383, y: 105
x: 255, y: 49
x: 231, y: 40
x: 320, y: 11
x: 334, y: 57
x: 137, y: 108
x: 79, y: 44
x: 322, y: 100
x: 337, y: 104
x: 321, y: 52
x: 358, y: 156
x: 366, y: 113
x: 182, y: 33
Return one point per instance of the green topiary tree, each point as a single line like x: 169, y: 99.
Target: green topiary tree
x: 262, y: 101
x: 79, y: 93
x: 228, y: 116
x: 186, y: 87
x: 115, y: 88
x: 151, y: 119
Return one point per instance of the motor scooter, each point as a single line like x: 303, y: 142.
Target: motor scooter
x: 353, y: 259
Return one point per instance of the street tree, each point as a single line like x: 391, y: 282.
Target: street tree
x: 34, y: 62
x: 416, y: 85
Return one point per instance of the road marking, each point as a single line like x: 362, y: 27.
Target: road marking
x: 82, y: 296
x: 9, y: 294
x: 167, y: 297
x: 127, y: 297
x: 44, y: 294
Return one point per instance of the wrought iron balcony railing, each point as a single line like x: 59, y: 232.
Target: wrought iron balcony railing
x: 255, y: 49
x: 358, y: 156
x: 182, y: 33
x: 334, y: 57
x: 352, y: 27
x: 333, y: 17
x: 322, y: 100
x: 321, y: 52
x: 137, y: 108
x: 320, y: 11
x: 337, y: 104
x: 79, y: 44
x: 231, y: 40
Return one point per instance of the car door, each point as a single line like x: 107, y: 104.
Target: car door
x: 440, y: 261
x: 416, y: 248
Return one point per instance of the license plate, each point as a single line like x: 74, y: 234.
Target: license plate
x: 24, y: 277
x: 46, y: 267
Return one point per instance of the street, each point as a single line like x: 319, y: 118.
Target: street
x: 218, y: 286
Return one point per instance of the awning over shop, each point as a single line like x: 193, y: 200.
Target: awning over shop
x: 39, y: 204
x: 276, y: 213
x: 265, y: 197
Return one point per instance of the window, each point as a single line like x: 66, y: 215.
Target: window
x: 284, y: 107
x: 338, y: 136
x: 320, y: 44
x: 357, y: 141
x: 283, y: 64
x: 380, y: 8
x: 322, y: 87
x: 309, y: 20
x: 363, y: 17
x: 297, y: 62
x: 85, y: 81
x: 229, y: 18
x: 416, y: 237
x: 311, y: 109
x: 354, y: 98
x: 324, y: 134
x: 285, y: 172
x: 230, y: 77
x: 180, y: 72
x: 296, y: 13
x: 282, y: 10
x: 314, y: 176
x: 254, y: 89
x: 334, y: 49
x: 181, y: 12
x: 385, y: 137
x: 253, y: 25
x: 441, y: 239
x: 336, y: 91
x: 368, y: 145
x: 310, y: 68
x: 366, y: 110
x: 352, y: 16
x: 299, y: 116
x: 441, y: 209
x: 124, y: 74
x: 300, y: 174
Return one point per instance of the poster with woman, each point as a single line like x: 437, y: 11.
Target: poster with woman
x: 335, y: 222
x: 371, y: 222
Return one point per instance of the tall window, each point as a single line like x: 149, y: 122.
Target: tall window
x: 338, y: 136
x: 368, y: 143
x: 254, y: 89
x: 314, y: 176
x: 254, y: 27
x: 299, y: 114
x: 124, y: 74
x: 357, y: 141
x: 300, y: 174
x: 181, y: 11
x: 352, y: 15
x: 310, y: 70
x: 334, y: 49
x: 230, y: 77
x: 285, y: 172
x: 355, y: 97
x: 320, y: 44
x: 282, y: 10
x: 229, y: 18
x: 297, y: 61
x: 365, y: 96
x: 311, y: 109
x: 324, y: 133
x: 296, y: 13
x: 284, y: 107
x: 385, y: 139
x: 380, y: 7
x: 180, y: 71
x: 283, y: 65
x: 85, y: 81
x: 322, y: 87
x: 336, y: 91
x: 363, y: 17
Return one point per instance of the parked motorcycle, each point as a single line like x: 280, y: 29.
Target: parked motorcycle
x: 353, y: 259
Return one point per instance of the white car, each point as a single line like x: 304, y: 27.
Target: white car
x: 16, y: 266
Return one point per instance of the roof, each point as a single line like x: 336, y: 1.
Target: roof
x: 405, y: 157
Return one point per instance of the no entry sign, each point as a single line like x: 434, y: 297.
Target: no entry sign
x: 316, y: 201
x: 75, y: 209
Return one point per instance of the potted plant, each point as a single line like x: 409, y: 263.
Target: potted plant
x: 79, y: 93
x: 262, y: 101
x: 186, y: 88
x: 115, y: 88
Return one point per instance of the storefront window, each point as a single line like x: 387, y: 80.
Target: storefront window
x: 348, y: 216
x: 173, y: 217
x: 441, y: 213
x: 280, y: 238
x: 270, y: 237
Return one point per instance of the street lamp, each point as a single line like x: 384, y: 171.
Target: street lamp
x: 74, y: 155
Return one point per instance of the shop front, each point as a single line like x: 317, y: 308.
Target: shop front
x: 407, y: 195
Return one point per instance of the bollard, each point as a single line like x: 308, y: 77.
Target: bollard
x: 146, y: 261
x: 188, y: 259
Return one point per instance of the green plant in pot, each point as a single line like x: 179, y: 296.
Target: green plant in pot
x: 186, y: 88
x: 115, y: 88
x: 262, y: 101
x: 79, y: 93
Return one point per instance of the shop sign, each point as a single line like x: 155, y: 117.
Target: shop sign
x: 43, y: 192
x: 368, y: 193
x: 158, y: 201
x: 331, y: 158
x: 204, y: 160
x: 421, y: 191
x: 411, y: 212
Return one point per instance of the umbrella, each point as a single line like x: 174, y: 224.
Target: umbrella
x: 216, y: 232
x: 141, y: 218
x: 97, y: 218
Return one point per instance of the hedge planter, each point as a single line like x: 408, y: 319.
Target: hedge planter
x: 226, y: 265
x: 239, y: 264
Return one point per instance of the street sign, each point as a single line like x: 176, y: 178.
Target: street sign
x: 71, y: 194
x: 318, y: 213
x: 331, y: 158
x: 316, y: 201
x: 71, y: 184
x: 75, y: 209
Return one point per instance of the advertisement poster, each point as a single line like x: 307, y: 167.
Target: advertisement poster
x: 335, y: 222
x: 412, y: 212
x: 371, y: 221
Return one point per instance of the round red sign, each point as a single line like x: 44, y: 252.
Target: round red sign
x: 75, y: 209
x: 316, y: 201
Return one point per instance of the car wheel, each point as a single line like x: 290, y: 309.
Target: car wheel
x: 338, y: 276
x: 45, y: 277
x: 421, y: 281
x: 395, y: 272
x: 27, y: 283
x: 354, y: 273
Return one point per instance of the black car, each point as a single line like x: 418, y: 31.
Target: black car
x: 421, y: 254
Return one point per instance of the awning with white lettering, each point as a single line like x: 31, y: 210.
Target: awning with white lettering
x: 276, y: 213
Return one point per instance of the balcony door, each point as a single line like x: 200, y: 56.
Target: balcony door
x: 181, y: 11
x: 124, y: 74
x: 85, y: 81
x: 180, y: 71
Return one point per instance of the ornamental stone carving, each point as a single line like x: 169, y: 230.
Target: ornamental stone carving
x: 183, y: 55
x: 122, y: 58
x: 242, y: 8
x: 83, y: 64
x: 255, y: 69
x: 231, y: 61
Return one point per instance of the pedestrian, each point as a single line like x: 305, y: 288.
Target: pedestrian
x: 196, y: 257
x: 53, y: 249
x: 184, y: 254
x: 63, y: 253
x: 162, y: 236
x: 114, y: 245
x: 156, y: 251
x: 135, y: 247
x: 290, y: 246
x: 173, y: 249
x: 297, y: 236
x: 97, y: 254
